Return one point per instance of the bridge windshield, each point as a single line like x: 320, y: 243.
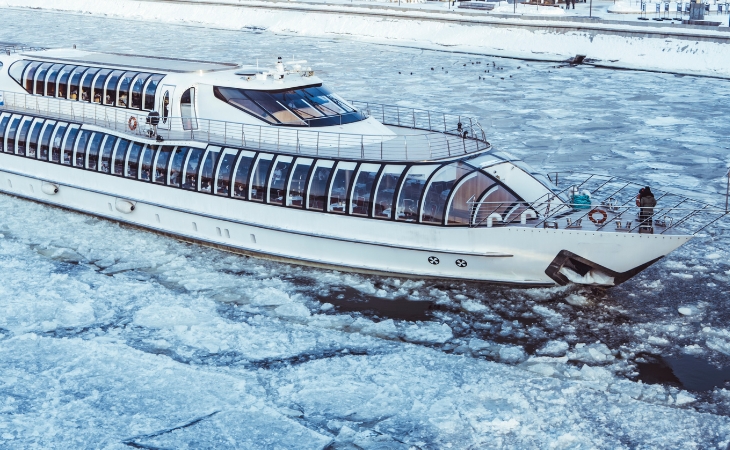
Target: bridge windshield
x: 314, y: 106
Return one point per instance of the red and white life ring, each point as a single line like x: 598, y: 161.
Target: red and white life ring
x: 600, y: 220
x: 132, y: 123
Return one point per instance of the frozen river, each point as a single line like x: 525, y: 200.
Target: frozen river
x: 112, y: 337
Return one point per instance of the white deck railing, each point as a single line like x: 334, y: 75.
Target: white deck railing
x: 422, y: 135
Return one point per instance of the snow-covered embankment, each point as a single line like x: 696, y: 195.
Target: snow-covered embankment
x: 631, y: 46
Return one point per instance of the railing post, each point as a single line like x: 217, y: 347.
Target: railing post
x: 444, y: 116
x: 414, y: 118
x: 382, y: 107
x: 317, y: 151
x: 405, y: 144
x: 362, y: 147
x: 397, y: 112
x: 225, y: 132
x: 429, y: 120
x: 338, y: 144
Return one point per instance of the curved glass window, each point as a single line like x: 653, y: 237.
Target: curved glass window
x: 23, y: 135
x: 145, y: 162
x: 51, y: 79
x: 279, y: 175
x: 161, y: 160
x: 125, y: 83
x: 409, y: 198
x: 107, y: 147
x: 243, y: 171
x: 3, y: 124
x: 110, y: 87
x: 176, y: 166
x: 93, y: 153
x: 82, y: 143
x: 497, y: 199
x: 192, y: 167
x: 298, y: 182
x: 56, y: 146
x: 385, y: 192
x: 98, y: 88
x: 362, y: 190
x: 40, y: 79
x: 63, y: 76
x: 120, y: 155
x: 150, y: 90
x: 135, y: 92
x: 209, y: 164
x: 68, y: 146
x: 33, y: 139
x: 165, y: 106
x: 16, y: 70
x: 29, y: 76
x: 45, y: 139
x: 74, y: 83
x: 468, y: 190
x: 341, y: 183
x: 224, y: 170
x: 86, y: 81
x: 133, y: 154
x: 317, y: 197
x: 437, y: 193
x: 12, y: 131
x: 314, y: 106
x: 260, y: 174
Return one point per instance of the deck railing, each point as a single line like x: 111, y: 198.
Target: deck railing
x: 613, y: 197
x: 434, y: 136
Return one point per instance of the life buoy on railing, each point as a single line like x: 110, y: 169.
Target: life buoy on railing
x: 132, y: 123
x: 600, y: 220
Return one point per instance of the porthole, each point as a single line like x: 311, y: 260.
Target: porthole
x: 460, y: 263
x: 433, y: 260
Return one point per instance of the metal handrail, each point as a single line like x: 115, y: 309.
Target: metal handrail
x: 611, y: 195
x: 427, y: 142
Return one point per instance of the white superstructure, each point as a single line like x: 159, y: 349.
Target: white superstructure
x: 268, y: 161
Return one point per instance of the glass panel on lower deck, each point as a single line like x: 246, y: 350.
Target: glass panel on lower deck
x: 497, y: 199
x: 4, y: 120
x: 279, y: 175
x: 132, y: 162
x: 362, y: 190
x: 411, y: 191
x: 260, y: 174
x: 341, y: 183
x: 243, y: 173
x: 317, y: 197
x: 12, y: 131
x: 298, y: 182
x: 107, y: 148
x: 438, y: 190
x: 34, y: 137
x: 469, y: 189
x: 176, y: 166
x: 209, y: 164
x: 224, y: 170
x: 68, y: 145
x: 93, y: 153
x: 385, y: 192
x: 45, y: 139
x: 23, y: 135
x: 192, y: 167
x: 58, y: 135
x: 120, y: 155
x: 161, y: 160
x: 145, y: 162
x: 80, y: 148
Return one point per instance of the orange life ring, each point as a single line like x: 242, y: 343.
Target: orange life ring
x: 603, y: 214
x: 132, y: 123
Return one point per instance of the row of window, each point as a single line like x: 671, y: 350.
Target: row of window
x: 121, y: 88
x: 427, y: 193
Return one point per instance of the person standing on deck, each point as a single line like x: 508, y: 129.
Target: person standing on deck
x: 646, y: 201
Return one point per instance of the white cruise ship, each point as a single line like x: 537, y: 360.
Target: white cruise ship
x: 270, y: 162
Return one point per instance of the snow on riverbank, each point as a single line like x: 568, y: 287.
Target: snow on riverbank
x: 549, y: 41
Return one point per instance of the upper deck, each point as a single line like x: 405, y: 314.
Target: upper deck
x: 417, y: 135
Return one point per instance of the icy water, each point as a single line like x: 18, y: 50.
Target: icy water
x: 112, y: 337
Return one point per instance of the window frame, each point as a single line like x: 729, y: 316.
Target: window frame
x: 25, y: 119
x: 243, y: 154
x: 254, y: 167
x: 216, y: 174
x: 37, y: 120
x: 66, y: 71
x: 56, y: 129
x: 3, y: 130
x: 290, y: 179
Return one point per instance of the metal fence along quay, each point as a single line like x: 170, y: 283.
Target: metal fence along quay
x: 420, y: 135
